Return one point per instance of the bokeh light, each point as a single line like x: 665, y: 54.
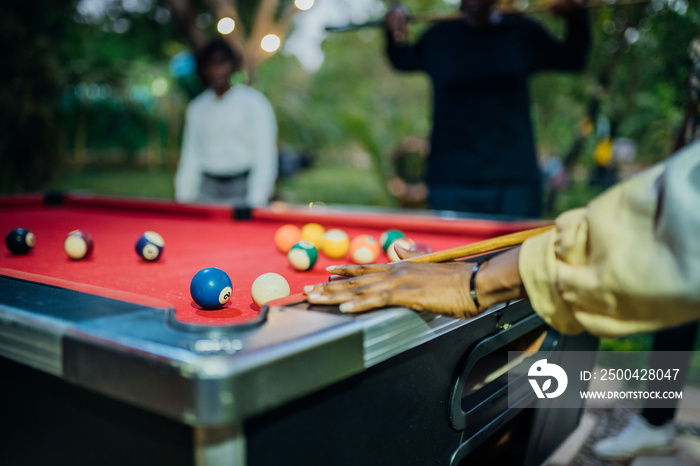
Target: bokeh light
x: 270, y: 43
x: 159, y: 87
x: 226, y: 25
x: 304, y: 5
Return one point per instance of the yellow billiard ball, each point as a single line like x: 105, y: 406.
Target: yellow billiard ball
x: 313, y: 233
x: 335, y: 243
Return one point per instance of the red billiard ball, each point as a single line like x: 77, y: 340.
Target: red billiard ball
x: 405, y: 243
x: 20, y: 241
x: 421, y: 248
x: 78, y: 245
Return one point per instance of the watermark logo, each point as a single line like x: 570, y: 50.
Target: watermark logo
x: 544, y: 369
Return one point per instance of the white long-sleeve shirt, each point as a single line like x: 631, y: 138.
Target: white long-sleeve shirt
x: 229, y: 135
x: 627, y: 263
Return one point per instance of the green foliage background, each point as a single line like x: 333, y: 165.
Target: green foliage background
x: 78, y: 93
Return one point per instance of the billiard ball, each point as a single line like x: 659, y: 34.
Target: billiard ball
x: 78, y: 245
x: 302, y: 256
x: 150, y: 245
x: 20, y: 241
x: 313, y: 233
x: 405, y: 243
x: 335, y: 243
x: 421, y: 248
x: 388, y: 237
x: 364, y: 249
x: 269, y: 286
x: 211, y: 288
x: 286, y: 236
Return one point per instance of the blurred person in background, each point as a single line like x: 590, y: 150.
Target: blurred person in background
x: 482, y: 156
x: 229, y: 148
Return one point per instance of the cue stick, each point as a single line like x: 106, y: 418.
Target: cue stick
x: 510, y: 9
x: 480, y: 247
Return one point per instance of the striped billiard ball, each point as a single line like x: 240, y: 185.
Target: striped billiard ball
x: 150, y: 245
x: 78, y: 245
x: 302, y: 256
x: 388, y: 237
x: 364, y: 249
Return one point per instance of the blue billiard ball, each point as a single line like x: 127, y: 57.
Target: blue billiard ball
x: 211, y: 288
x: 150, y: 245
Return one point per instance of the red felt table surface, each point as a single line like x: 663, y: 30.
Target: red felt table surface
x: 195, y: 238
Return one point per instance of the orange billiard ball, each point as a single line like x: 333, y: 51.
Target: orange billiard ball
x: 364, y: 249
x: 286, y: 237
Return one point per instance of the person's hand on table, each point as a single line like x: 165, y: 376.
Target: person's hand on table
x: 442, y: 288
x: 396, y: 22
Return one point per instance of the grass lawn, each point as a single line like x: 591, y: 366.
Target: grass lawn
x: 332, y: 185
x: 135, y: 183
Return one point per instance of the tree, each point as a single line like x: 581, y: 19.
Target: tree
x: 30, y: 87
x: 253, y: 21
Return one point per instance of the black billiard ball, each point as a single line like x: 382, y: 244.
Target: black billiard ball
x: 20, y: 241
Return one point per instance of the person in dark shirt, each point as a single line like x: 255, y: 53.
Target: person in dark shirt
x: 482, y: 157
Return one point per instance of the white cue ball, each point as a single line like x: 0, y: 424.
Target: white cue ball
x: 269, y: 286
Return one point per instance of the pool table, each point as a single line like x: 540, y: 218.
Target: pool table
x: 108, y: 360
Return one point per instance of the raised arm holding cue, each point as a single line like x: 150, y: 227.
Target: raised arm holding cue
x: 482, y: 145
x: 505, y: 9
x: 627, y: 263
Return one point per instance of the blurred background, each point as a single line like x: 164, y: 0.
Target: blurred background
x: 94, y: 94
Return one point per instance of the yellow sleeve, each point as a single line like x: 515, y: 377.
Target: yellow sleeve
x: 627, y: 263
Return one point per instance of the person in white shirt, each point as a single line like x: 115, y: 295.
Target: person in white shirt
x: 229, y: 148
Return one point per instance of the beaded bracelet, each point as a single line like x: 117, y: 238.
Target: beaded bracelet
x: 472, y: 285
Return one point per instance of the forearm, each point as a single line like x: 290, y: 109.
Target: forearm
x: 498, y: 280
x: 627, y: 263
x: 402, y: 54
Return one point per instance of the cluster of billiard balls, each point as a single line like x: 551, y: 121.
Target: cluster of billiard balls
x: 302, y: 245
x: 210, y: 288
x: 79, y: 244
